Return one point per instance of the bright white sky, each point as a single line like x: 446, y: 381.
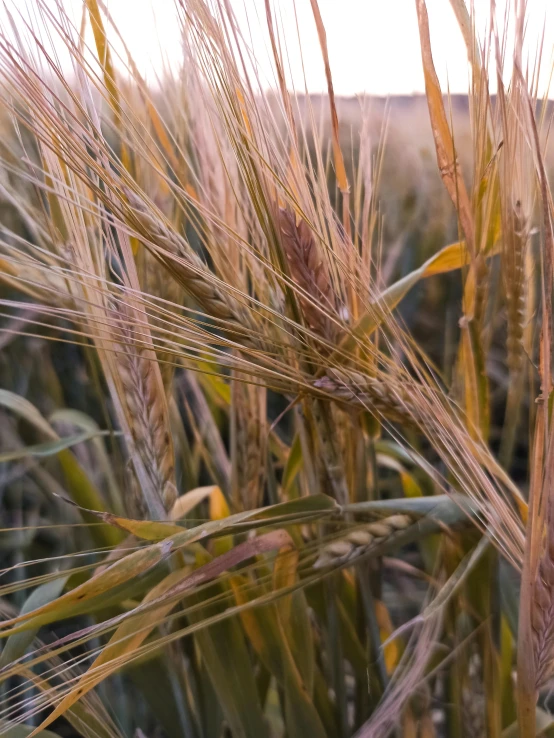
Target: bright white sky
x: 373, y: 44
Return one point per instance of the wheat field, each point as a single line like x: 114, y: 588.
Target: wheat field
x: 276, y: 390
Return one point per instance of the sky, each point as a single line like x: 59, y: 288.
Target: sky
x: 373, y: 44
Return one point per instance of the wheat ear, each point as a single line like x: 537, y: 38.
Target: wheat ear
x: 384, y: 399
x: 155, y: 281
x: 542, y: 618
x: 309, y: 273
x: 360, y: 540
x: 514, y: 265
x: 194, y: 275
x: 148, y: 418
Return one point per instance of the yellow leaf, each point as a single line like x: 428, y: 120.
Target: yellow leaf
x: 451, y: 257
x: 187, y: 502
x: 409, y: 485
x: 267, y: 650
x: 284, y: 575
x: 340, y: 169
x: 386, y: 628
x: 120, y: 572
x: 125, y: 640
x: 152, y: 530
x: 162, y: 599
x: 219, y: 508
x: 444, y: 143
x: 148, y: 530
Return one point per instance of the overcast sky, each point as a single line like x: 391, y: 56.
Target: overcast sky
x: 373, y: 44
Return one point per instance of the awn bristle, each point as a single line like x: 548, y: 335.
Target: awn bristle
x: 156, y: 281
x: 193, y: 274
x: 309, y: 273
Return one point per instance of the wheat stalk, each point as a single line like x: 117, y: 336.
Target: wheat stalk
x: 249, y: 421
